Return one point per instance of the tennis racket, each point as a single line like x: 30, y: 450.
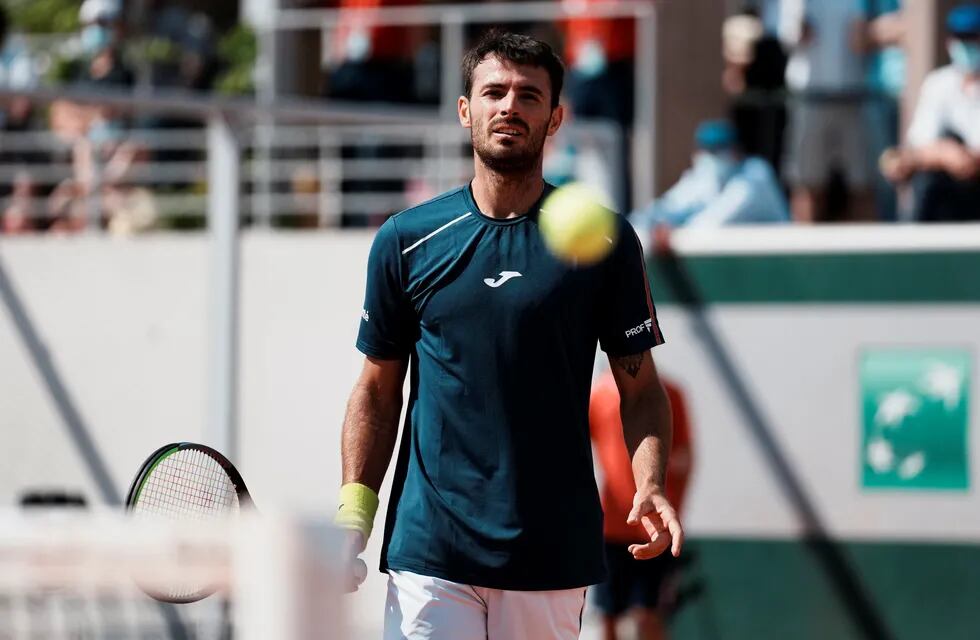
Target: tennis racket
x: 186, y: 481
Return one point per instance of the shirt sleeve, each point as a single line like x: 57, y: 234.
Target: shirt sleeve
x: 676, y: 205
x: 927, y: 121
x: 388, y: 328
x: 752, y: 196
x: 628, y: 320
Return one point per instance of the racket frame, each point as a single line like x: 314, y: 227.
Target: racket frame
x: 244, y: 498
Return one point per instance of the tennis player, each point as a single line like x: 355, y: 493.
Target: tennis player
x: 494, y: 528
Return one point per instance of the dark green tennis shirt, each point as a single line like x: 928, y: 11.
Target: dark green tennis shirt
x: 494, y: 482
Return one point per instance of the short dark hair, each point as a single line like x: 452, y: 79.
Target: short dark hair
x: 518, y: 49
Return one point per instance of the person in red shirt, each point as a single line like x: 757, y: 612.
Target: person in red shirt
x: 371, y: 62
x: 633, y: 584
x: 600, y: 53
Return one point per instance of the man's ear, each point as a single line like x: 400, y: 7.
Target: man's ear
x: 463, y: 111
x: 557, y: 116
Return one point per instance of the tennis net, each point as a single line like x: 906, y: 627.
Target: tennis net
x: 83, y: 577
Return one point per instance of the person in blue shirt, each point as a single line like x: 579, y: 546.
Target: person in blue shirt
x: 881, y: 36
x: 722, y: 187
x: 494, y: 526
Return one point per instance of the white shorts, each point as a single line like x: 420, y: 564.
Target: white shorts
x: 425, y: 608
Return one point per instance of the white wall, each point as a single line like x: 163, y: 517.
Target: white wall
x: 123, y: 321
x: 124, y: 324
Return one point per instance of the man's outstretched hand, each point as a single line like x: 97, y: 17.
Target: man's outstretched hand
x: 652, y: 510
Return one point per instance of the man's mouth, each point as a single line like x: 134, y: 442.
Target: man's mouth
x: 508, y: 132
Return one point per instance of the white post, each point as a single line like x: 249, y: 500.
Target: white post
x: 452, y: 43
x: 644, y: 153
x: 224, y: 190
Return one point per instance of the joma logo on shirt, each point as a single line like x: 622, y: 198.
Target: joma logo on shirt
x: 640, y: 328
x: 504, y: 277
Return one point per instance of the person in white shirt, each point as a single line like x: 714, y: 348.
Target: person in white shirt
x: 941, y: 155
x: 722, y: 187
x: 826, y: 135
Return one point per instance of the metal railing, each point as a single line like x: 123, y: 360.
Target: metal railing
x: 453, y: 19
x: 312, y: 175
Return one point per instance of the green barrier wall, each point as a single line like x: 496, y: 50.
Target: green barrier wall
x: 745, y: 587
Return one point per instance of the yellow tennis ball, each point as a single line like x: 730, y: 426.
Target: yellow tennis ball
x: 575, y: 226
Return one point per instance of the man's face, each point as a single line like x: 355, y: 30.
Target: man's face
x: 509, y: 114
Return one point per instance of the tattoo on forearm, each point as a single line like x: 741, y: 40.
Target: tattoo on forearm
x: 630, y: 364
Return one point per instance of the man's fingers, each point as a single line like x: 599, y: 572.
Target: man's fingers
x: 677, y: 535
x: 356, y: 573
x: 652, y: 525
x: 651, y: 549
x: 658, y: 518
x: 639, y: 509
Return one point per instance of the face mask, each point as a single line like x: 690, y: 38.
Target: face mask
x: 358, y: 46
x: 95, y: 38
x: 719, y: 166
x: 591, y: 59
x: 105, y: 131
x: 965, y: 55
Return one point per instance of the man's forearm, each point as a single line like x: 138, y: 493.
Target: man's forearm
x: 369, y: 435
x: 648, y: 433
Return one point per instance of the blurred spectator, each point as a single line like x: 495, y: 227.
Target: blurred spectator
x: 100, y: 155
x: 370, y: 62
x: 755, y: 75
x: 100, y: 68
x: 599, y: 54
x: 722, y: 187
x: 101, y: 36
x: 18, y: 71
x: 181, y: 50
x: 643, y: 588
x: 881, y: 37
x: 100, y: 190
x: 827, y: 137
x: 20, y: 215
x: 942, y: 152
x: 374, y: 63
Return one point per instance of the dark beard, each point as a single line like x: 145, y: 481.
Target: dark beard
x: 508, y: 163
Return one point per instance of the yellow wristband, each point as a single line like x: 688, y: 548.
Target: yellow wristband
x: 358, y: 504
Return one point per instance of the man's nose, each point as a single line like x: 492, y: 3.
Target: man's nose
x: 508, y: 104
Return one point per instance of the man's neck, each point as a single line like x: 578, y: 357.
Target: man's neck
x: 503, y: 196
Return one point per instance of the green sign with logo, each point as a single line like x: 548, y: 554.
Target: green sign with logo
x: 915, y: 411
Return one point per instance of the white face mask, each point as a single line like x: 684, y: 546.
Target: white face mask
x: 965, y: 55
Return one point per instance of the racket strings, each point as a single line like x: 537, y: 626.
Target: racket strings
x: 189, y: 485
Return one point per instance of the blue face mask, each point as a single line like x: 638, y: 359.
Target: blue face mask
x: 965, y: 55
x: 105, y: 131
x: 95, y: 38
